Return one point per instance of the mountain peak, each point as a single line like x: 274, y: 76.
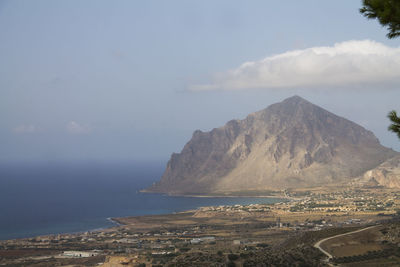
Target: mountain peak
x: 295, y: 99
x: 294, y: 109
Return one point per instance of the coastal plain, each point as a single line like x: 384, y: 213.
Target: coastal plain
x: 279, y: 234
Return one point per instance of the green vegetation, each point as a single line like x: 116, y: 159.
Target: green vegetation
x: 386, y: 11
x: 395, y: 126
x: 368, y: 256
x: 299, y: 256
x: 233, y: 257
x: 388, y: 14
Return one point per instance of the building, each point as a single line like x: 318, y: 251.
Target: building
x: 79, y: 254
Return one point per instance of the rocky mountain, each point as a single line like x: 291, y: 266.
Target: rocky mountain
x: 386, y: 174
x: 290, y: 144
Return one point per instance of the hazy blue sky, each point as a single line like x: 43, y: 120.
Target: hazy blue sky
x: 131, y: 80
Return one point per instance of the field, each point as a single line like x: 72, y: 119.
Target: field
x: 355, y: 244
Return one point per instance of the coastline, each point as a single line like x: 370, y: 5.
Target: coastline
x: 81, y: 232
x: 211, y: 228
x: 216, y: 195
x: 235, y: 196
x: 114, y: 221
x: 118, y: 221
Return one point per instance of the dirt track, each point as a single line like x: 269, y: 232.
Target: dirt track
x: 318, y: 244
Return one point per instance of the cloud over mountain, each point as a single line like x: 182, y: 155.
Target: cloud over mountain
x: 352, y: 63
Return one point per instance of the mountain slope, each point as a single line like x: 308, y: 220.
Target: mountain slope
x: 290, y: 144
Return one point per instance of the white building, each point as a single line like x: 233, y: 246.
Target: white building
x: 79, y: 254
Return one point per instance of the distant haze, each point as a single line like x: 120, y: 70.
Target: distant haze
x: 132, y: 80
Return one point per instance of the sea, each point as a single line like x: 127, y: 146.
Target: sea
x: 68, y: 197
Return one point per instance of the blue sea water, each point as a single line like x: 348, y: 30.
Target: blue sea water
x: 50, y: 198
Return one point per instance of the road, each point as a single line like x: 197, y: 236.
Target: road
x: 318, y: 244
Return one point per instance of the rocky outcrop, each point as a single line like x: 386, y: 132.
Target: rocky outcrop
x: 287, y: 145
x: 386, y: 174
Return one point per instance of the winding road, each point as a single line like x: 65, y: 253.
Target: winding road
x: 318, y: 244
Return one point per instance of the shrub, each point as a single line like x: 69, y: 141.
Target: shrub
x: 233, y: 257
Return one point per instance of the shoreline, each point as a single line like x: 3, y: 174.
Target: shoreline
x: 228, y: 196
x: 117, y: 223
x: 91, y: 230
x: 214, y: 196
x: 113, y: 220
x: 230, y: 226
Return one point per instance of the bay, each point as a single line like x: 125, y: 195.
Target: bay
x: 66, y: 197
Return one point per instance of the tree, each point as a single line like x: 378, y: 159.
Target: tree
x: 386, y: 11
x: 395, y: 126
x: 388, y: 14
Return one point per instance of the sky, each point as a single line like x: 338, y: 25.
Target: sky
x: 132, y: 80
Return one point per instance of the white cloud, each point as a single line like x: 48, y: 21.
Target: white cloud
x: 26, y: 129
x: 76, y: 128
x: 356, y: 63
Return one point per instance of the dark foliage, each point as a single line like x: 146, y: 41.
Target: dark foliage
x: 395, y: 126
x: 386, y: 11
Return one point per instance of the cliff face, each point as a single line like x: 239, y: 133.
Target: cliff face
x: 287, y: 145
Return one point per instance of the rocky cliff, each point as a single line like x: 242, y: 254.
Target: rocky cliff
x: 290, y: 144
x: 386, y: 174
